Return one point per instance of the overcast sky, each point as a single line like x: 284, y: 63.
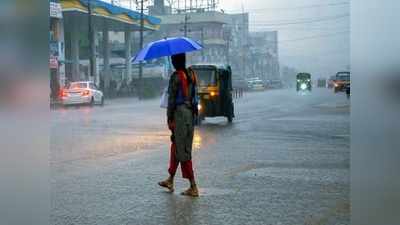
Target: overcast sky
x: 321, y: 47
x: 314, y: 35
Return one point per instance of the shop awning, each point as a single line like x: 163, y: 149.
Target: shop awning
x: 107, y: 10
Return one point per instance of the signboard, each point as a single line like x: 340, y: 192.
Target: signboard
x: 53, y: 62
x: 56, y: 10
x: 54, y: 48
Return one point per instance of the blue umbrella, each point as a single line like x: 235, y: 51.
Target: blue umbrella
x: 166, y: 47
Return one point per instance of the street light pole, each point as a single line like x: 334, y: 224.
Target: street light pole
x: 140, y: 86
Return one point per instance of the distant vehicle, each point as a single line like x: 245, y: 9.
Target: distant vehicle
x: 253, y: 78
x: 275, y: 84
x: 82, y: 92
x: 214, y: 91
x: 341, y: 80
x: 256, y: 85
x: 321, y: 83
x: 303, y: 82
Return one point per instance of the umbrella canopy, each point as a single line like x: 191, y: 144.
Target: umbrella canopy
x: 166, y: 47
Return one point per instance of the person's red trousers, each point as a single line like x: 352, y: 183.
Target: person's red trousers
x: 186, y: 167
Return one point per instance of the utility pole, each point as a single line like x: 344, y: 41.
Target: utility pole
x: 202, y: 43
x: 185, y: 28
x: 228, y: 46
x: 92, y: 50
x: 227, y: 38
x: 244, y: 42
x: 140, y: 86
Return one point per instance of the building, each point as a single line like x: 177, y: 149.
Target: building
x: 159, y: 8
x: 208, y: 28
x: 238, y: 27
x: 264, y: 55
x: 224, y: 36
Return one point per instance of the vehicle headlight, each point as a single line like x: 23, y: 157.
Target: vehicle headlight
x: 308, y: 80
x: 298, y: 80
x: 199, y: 107
x: 303, y: 86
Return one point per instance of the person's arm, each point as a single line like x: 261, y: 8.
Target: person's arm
x: 172, y: 92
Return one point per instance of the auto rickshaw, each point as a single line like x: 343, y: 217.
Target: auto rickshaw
x: 303, y: 82
x: 214, y: 91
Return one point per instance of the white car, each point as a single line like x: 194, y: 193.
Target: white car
x: 82, y: 92
x: 256, y: 85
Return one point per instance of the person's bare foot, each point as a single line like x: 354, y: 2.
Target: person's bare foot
x: 169, y: 184
x: 192, y: 192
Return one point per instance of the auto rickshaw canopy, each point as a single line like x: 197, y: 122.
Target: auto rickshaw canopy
x: 223, y: 74
x: 303, y: 76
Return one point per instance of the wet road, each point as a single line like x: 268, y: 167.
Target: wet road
x: 284, y: 161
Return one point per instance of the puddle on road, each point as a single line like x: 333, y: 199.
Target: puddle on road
x: 342, y: 136
x: 306, y: 174
x: 110, y: 145
x: 330, y: 118
x: 334, y: 105
x: 197, y: 140
x: 202, y: 139
x: 214, y: 191
x: 208, y: 192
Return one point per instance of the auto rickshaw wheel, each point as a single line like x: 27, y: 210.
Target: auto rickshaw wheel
x: 230, y: 119
x: 199, y: 119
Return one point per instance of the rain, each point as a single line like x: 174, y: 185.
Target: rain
x: 270, y: 103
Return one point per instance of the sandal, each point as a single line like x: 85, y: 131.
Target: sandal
x: 192, y: 192
x: 167, y: 184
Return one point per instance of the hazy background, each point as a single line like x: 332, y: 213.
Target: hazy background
x: 375, y: 124
x: 314, y: 35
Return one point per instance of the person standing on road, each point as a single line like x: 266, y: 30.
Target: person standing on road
x: 180, y: 114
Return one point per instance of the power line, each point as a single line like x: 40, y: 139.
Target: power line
x: 308, y: 38
x: 310, y: 28
x: 314, y: 37
x: 319, y: 55
x: 303, y: 19
x: 299, y: 21
x: 293, y: 22
x: 296, y: 8
x: 345, y: 47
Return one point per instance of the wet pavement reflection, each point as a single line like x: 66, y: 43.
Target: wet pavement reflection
x: 284, y: 160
